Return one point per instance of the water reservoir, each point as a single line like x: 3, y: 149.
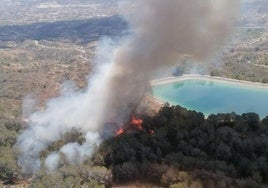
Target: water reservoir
x: 214, y: 96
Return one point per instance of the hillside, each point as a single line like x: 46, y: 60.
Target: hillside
x: 185, y: 150
x: 45, y: 43
x: 16, y: 12
x: 254, y: 12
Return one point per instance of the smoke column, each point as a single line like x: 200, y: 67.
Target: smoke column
x: 161, y: 32
x: 164, y: 31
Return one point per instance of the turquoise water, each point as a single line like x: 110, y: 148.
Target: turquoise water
x: 212, y: 97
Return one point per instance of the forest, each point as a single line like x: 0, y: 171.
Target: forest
x: 185, y: 150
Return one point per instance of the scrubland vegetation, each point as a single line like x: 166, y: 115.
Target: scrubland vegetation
x: 44, y: 44
x: 186, y: 150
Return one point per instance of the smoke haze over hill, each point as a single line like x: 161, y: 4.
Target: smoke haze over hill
x: 161, y: 33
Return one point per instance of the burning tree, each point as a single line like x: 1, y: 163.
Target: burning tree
x: 134, y: 125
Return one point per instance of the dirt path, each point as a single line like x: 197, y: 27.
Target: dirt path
x: 208, y: 78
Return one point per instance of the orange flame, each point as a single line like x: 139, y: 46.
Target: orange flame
x: 119, y: 132
x: 136, y: 123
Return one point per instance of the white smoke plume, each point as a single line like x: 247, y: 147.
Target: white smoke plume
x: 161, y: 32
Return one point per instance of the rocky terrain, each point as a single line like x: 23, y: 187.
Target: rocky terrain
x: 35, y: 59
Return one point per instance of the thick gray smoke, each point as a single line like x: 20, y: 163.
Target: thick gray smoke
x: 161, y: 32
x: 164, y: 32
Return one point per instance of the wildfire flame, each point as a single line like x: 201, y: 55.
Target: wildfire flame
x: 119, y: 131
x: 135, y: 123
